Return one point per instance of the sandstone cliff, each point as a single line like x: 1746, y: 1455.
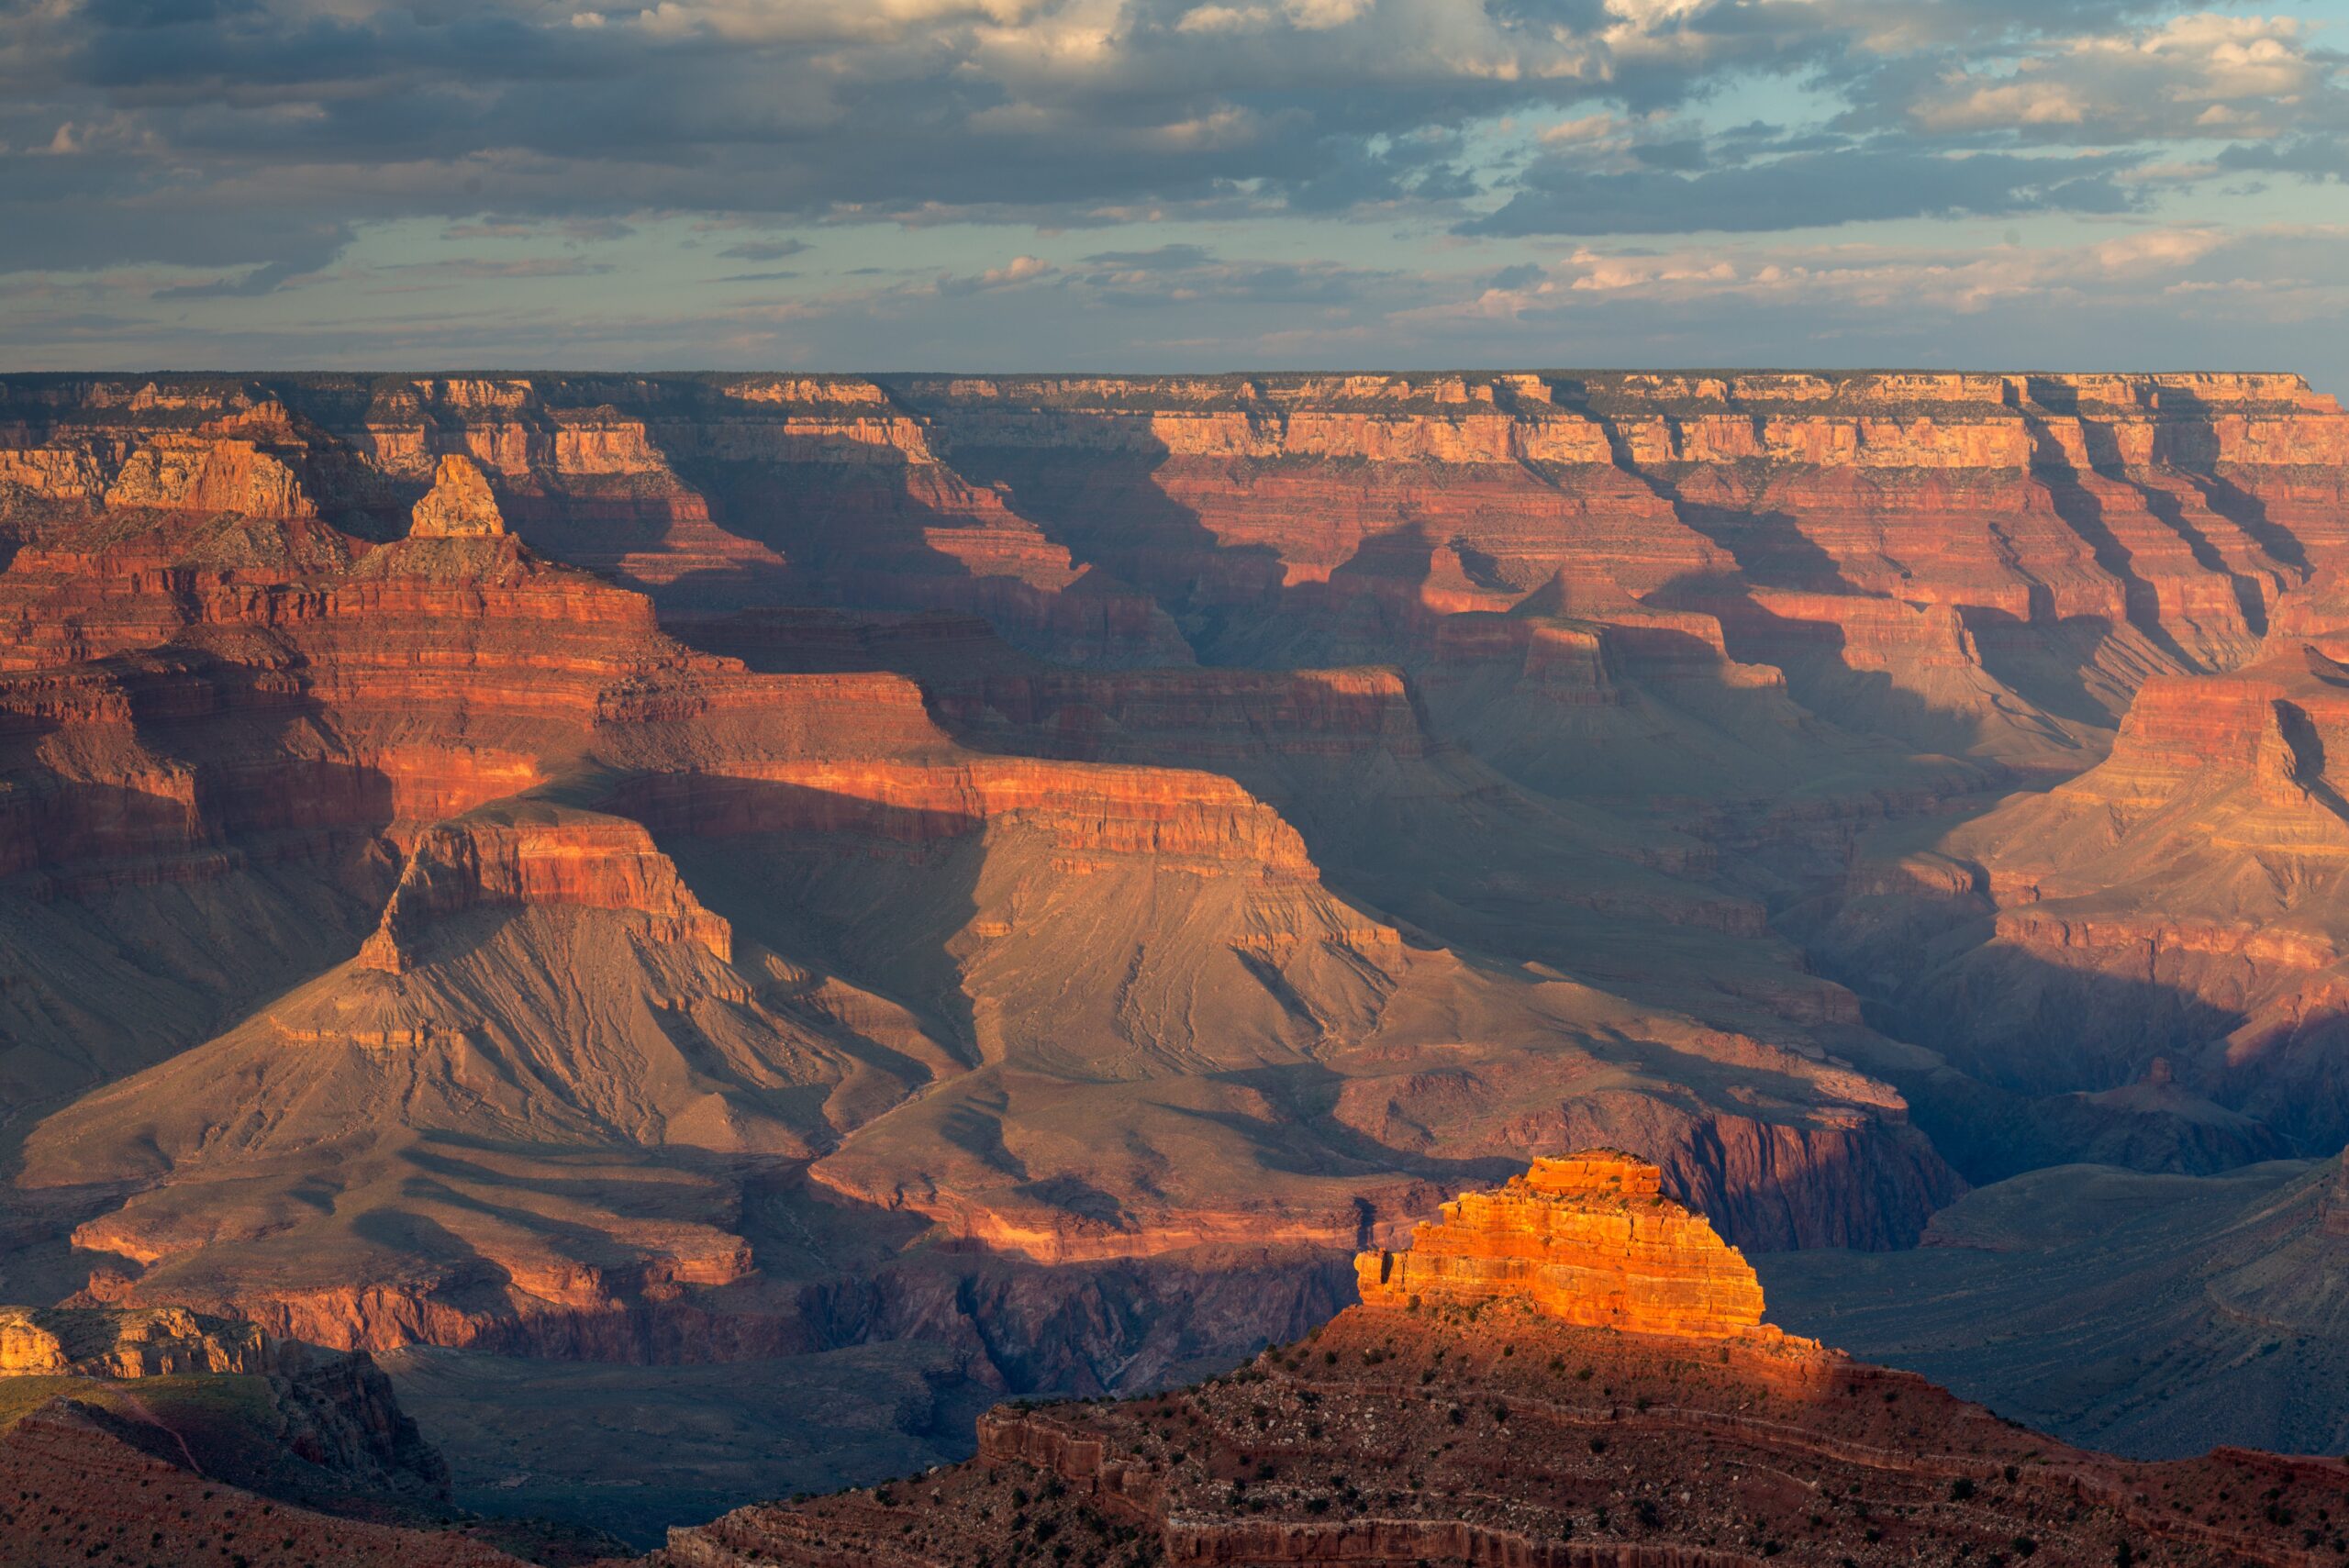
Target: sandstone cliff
x: 459, y: 505
x: 154, y: 1342
x: 1589, y: 1239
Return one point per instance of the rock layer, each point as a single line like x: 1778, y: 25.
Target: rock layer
x: 1589, y: 1239
x: 153, y: 1342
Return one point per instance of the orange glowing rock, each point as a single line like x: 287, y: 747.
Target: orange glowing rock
x: 460, y: 505
x: 1589, y: 1239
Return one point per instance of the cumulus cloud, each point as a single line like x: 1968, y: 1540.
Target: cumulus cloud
x: 2191, y: 77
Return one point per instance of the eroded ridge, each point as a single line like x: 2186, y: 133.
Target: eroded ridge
x: 1501, y: 1423
x: 1589, y: 1239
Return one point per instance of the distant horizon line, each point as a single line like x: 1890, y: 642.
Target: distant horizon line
x: 1229, y: 373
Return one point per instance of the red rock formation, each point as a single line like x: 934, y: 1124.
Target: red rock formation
x: 151, y: 1343
x: 459, y: 505
x: 540, y: 858
x: 2179, y: 899
x: 1589, y: 1239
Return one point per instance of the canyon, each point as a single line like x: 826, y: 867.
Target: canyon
x: 1556, y: 1406
x: 942, y: 888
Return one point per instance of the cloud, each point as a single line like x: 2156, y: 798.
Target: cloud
x: 1583, y: 130
x: 1018, y: 270
x: 1805, y: 189
x: 1877, y: 279
x: 1059, y: 112
x: 2190, y: 77
x: 264, y: 279
x: 1051, y: 109
x: 764, y: 249
x: 259, y: 149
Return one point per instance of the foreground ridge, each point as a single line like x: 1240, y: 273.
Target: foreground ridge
x: 1569, y: 1372
x: 157, y: 1435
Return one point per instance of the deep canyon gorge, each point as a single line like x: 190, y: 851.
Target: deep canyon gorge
x: 626, y: 891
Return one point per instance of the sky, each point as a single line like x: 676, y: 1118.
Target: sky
x: 1173, y: 184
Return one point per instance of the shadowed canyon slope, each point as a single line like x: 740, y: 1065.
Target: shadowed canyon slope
x: 2152, y: 1313
x: 1590, y: 1387
x: 737, y: 869
x: 158, y: 1436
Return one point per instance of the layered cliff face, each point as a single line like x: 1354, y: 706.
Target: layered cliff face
x: 1589, y: 1239
x: 2119, y: 523
x: 1507, y: 1425
x: 2164, y: 929
x: 619, y: 927
x: 155, y: 1342
x: 505, y: 862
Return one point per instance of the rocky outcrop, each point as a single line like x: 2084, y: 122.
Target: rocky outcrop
x: 330, y: 1411
x: 539, y: 858
x: 1120, y: 521
x: 1526, y: 1431
x: 1086, y: 823
x: 2179, y: 900
x: 1589, y: 1239
x: 158, y: 1341
x: 459, y: 505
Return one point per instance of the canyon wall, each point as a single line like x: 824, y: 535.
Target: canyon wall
x: 569, y: 864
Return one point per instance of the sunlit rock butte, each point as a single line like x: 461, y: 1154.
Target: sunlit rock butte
x: 1037, y: 872
x: 1499, y: 1423
x: 1590, y: 1241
